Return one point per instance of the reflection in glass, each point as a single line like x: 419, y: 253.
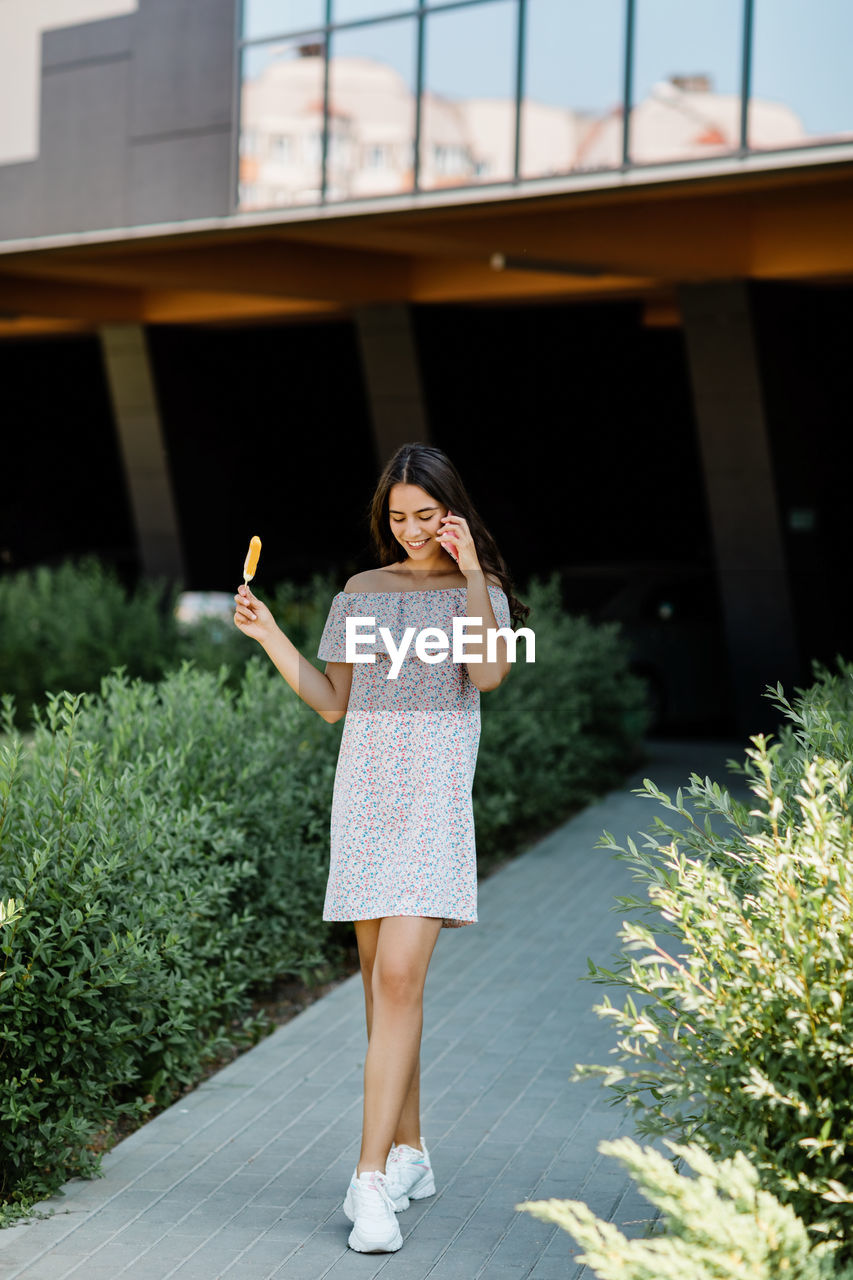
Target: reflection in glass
x: 802, y: 91
x: 351, y: 10
x: 468, y: 107
x: 687, y: 69
x: 281, y: 124
x: 277, y: 17
x: 372, y: 110
x: 572, y: 110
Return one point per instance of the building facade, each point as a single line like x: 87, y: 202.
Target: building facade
x: 600, y: 253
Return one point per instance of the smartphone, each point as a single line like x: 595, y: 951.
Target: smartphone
x: 447, y: 545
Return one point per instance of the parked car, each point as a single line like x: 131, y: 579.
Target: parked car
x: 671, y: 617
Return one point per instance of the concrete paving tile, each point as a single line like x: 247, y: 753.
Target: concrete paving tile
x: 44, y: 1269
x: 139, y: 1234
x: 92, y: 1271
x: 148, y: 1266
x: 459, y: 1264
x: 250, y: 1270
x: 272, y: 1249
x: 118, y: 1257
x: 553, y: 1268
x: 524, y: 1246
x: 316, y: 1257
x: 193, y: 1269
x: 83, y: 1244
x: 275, y: 1197
x: 18, y: 1248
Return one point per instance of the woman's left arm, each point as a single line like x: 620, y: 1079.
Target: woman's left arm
x: 485, y: 675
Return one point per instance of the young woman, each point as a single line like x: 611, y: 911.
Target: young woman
x: 403, y: 861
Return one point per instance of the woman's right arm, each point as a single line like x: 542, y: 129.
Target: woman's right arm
x: 326, y: 693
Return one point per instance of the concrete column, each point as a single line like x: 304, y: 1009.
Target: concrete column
x: 393, y: 379
x: 143, y: 451
x: 742, y: 499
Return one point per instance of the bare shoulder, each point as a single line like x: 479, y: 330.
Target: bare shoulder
x: 365, y: 581
x: 493, y: 579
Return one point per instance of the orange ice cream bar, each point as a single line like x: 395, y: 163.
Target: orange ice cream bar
x: 252, y: 559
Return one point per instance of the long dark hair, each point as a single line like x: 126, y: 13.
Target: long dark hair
x: 432, y: 470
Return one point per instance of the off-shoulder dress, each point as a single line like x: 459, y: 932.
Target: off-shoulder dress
x: 402, y: 821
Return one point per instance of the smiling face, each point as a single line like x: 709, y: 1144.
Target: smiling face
x: 415, y: 519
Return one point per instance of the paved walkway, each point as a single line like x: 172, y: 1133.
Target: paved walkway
x: 244, y: 1177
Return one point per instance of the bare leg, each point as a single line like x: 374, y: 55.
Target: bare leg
x: 409, y: 1125
x: 409, y: 1128
x: 403, y: 949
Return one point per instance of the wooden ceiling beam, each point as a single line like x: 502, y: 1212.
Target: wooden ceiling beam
x: 792, y: 225
x: 38, y: 304
x: 267, y: 268
x: 799, y: 240
x: 39, y: 326
x: 648, y: 240
x: 163, y: 306
x: 449, y: 280
x: 25, y: 296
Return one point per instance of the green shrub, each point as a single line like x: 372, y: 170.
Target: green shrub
x: 558, y: 731
x: 102, y: 1003
x: 65, y: 628
x: 213, y: 642
x: 168, y: 845
x: 266, y: 761
x: 743, y: 1036
x: 718, y: 1226
x: 820, y: 723
x: 301, y: 611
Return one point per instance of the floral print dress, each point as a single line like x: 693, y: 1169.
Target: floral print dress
x: 402, y: 822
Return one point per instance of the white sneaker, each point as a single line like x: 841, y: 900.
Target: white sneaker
x: 368, y: 1206
x: 409, y: 1175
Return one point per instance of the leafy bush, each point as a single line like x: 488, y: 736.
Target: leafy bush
x: 97, y: 1005
x: 213, y: 642
x: 718, y: 1226
x: 65, y: 628
x: 558, y: 731
x: 821, y: 723
x: 167, y: 848
x: 743, y: 1037
x: 266, y: 761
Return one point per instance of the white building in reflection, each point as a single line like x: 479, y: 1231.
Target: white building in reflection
x: 463, y: 141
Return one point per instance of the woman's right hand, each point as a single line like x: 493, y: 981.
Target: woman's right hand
x: 252, y: 616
